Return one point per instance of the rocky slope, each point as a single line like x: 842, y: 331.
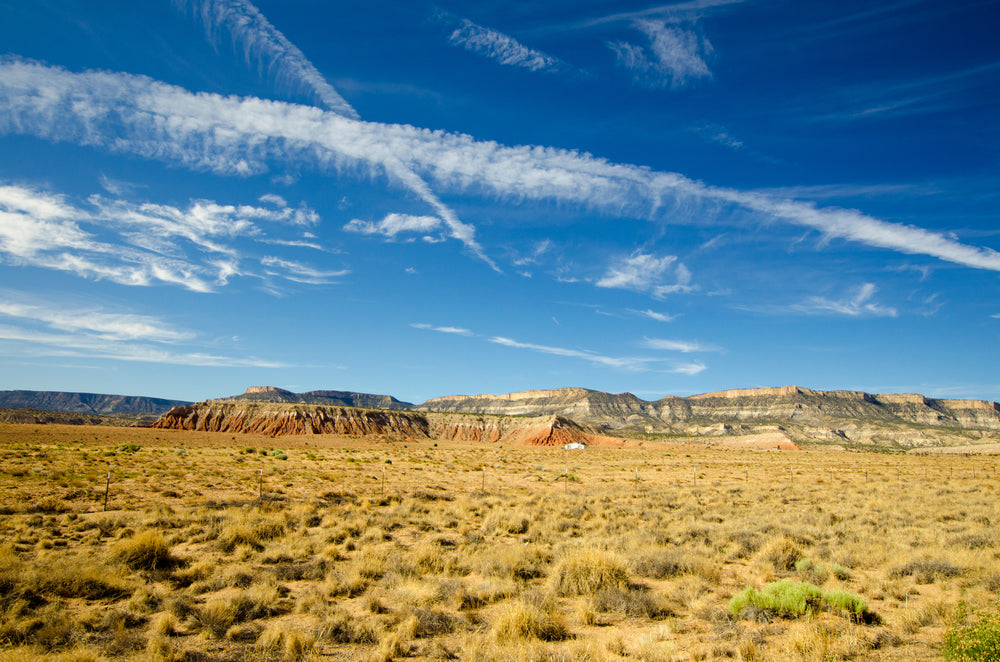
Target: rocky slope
x: 337, y: 398
x: 88, y: 403
x: 301, y: 419
x: 803, y: 415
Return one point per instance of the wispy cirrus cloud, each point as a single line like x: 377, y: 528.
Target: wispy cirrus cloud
x: 500, y: 47
x: 301, y: 273
x: 653, y: 315
x: 265, y: 44
x: 192, y: 247
x: 33, y: 343
x: 107, y: 326
x: 263, y: 41
x: 56, y: 329
x: 630, y: 363
x: 643, y: 272
x: 231, y: 136
x: 454, y: 330
x: 674, y: 12
x: 673, y: 57
x: 683, y: 346
x: 860, y: 304
x: 395, y: 224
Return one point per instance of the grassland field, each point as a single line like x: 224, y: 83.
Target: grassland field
x: 161, y: 545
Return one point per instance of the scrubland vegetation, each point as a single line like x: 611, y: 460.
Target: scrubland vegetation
x: 217, y: 547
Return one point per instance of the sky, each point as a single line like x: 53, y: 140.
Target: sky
x: 424, y: 199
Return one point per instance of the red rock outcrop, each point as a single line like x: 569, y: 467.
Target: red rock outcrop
x: 297, y: 419
x: 293, y: 419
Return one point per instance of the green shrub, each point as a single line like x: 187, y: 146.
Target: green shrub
x: 783, y: 598
x: 978, y: 641
x: 789, y: 599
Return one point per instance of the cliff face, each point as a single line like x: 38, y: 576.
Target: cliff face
x: 803, y: 415
x: 575, y: 403
x: 296, y: 419
x: 282, y: 419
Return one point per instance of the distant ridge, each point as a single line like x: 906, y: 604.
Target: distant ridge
x: 333, y: 398
x: 803, y: 415
x: 799, y: 416
x: 133, y: 406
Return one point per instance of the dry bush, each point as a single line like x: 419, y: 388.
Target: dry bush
x: 479, y: 593
x: 632, y: 602
x: 145, y: 551
x: 75, y: 577
x: 164, y: 624
x: 516, y: 561
x: 587, y: 571
x: 216, y: 616
x: 669, y: 562
x: 779, y: 553
x: 517, y: 620
x: 927, y: 570
x: 251, y: 530
x: 287, y: 644
x: 506, y: 521
x: 339, y: 627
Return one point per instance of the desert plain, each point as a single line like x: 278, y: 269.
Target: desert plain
x: 162, y: 545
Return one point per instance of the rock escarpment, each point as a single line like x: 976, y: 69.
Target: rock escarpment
x: 804, y: 415
x: 282, y: 419
x: 298, y: 419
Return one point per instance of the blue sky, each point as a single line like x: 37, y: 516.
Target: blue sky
x: 424, y: 199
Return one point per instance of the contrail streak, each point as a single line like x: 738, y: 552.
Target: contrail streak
x: 263, y: 41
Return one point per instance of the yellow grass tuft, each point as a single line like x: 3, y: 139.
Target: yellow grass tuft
x: 585, y: 572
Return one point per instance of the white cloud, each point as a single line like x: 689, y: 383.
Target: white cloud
x: 95, y: 333
x: 633, y: 363
x: 453, y: 330
x: 653, y: 315
x: 537, y: 251
x: 152, y: 242
x: 264, y: 43
x: 858, y: 305
x: 643, y: 272
x: 692, y: 368
x: 33, y: 343
x: 627, y: 363
x: 232, y: 136
x: 500, y: 47
x: 685, y: 346
x: 108, y: 326
x: 301, y: 273
x: 639, y: 271
x: 394, y: 224
x: 674, y: 56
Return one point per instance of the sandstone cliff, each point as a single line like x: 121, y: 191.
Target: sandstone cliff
x: 299, y: 419
x: 804, y: 415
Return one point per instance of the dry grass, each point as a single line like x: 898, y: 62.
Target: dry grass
x: 189, y: 563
